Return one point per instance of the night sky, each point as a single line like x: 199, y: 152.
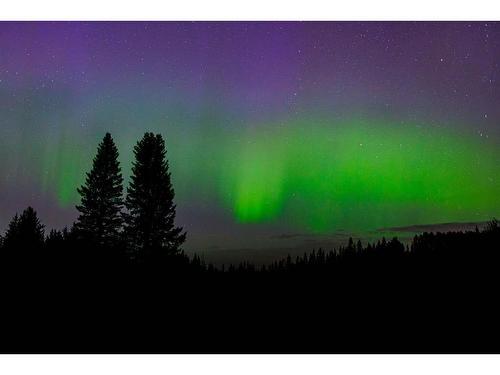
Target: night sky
x: 277, y: 133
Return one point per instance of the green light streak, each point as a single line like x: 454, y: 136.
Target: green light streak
x: 361, y: 174
x: 62, y: 167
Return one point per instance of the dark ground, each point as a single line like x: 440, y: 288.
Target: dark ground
x: 440, y: 297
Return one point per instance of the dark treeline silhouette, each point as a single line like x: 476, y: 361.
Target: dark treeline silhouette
x: 118, y: 281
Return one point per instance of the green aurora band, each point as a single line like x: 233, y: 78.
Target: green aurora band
x: 312, y: 174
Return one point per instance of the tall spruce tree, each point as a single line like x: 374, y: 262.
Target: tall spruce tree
x: 100, y: 217
x: 25, y: 232
x: 150, y: 204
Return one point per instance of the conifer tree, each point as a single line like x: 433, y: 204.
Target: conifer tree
x: 25, y: 232
x: 100, y: 218
x: 150, y: 204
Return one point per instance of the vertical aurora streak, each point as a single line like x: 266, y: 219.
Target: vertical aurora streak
x: 317, y: 174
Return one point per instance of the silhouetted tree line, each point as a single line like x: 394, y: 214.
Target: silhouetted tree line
x: 25, y: 239
x: 432, y: 248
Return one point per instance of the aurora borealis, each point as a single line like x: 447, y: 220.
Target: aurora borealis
x: 272, y: 128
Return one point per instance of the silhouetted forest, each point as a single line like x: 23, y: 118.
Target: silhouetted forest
x: 117, y: 280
